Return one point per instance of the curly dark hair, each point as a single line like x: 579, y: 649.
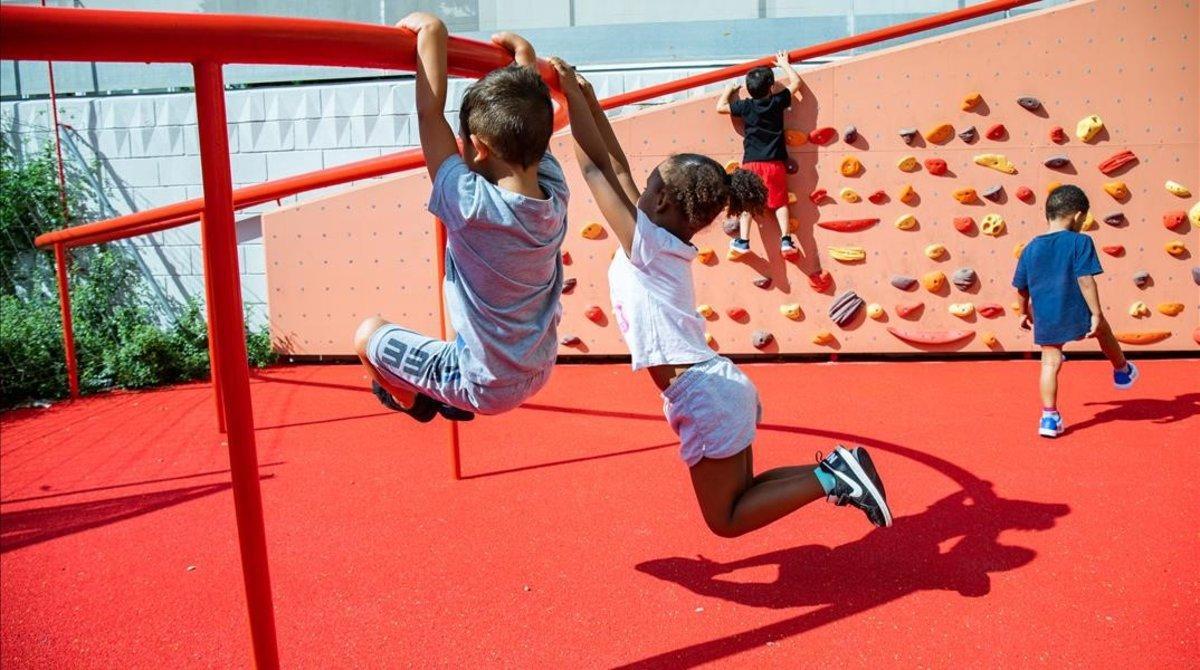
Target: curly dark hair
x: 1066, y: 200
x: 701, y: 188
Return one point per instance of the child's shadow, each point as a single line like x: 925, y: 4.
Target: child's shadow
x: 803, y: 114
x: 1142, y: 409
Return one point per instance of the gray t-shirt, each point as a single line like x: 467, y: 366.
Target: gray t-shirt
x: 503, y: 270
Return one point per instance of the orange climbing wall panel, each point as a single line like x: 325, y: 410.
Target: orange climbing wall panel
x: 333, y: 261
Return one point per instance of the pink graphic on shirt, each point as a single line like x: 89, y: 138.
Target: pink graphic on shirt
x: 619, y: 315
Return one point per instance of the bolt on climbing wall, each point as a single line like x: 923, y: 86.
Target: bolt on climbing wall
x: 917, y: 173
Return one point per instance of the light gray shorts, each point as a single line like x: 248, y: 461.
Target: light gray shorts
x: 713, y: 407
x: 433, y: 367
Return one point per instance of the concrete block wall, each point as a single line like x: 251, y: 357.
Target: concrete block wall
x: 143, y: 151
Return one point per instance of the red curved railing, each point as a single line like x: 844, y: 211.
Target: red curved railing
x: 209, y: 41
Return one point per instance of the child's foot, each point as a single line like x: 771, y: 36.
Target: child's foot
x: 1123, y: 379
x: 423, y: 408
x: 858, y: 484
x: 1051, y: 425
x: 451, y: 413
x: 788, y: 248
x: 738, y: 248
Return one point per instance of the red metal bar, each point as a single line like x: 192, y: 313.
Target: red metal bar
x: 211, y: 316
x: 229, y: 332
x: 117, y: 36
x: 64, y: 307
x: 440, y: 228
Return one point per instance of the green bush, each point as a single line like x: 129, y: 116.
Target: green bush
x: 120, y: 338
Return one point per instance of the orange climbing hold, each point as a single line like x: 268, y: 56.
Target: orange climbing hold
x: 822, y: 337
x: 908, y: 164
x: 971, y: 101
x: 706, y: 255
x: 795, y: 138
x: 850, y: 167
x: 907, y: 309
x: 1116, y: 162
x: 933, y: 281
x: 737, y: 313
x: 731, y: 166
x: 964, y: 224
x: 592, y: 231
x: 1170, y: 308
x: 1143, y: 337
x: 930, y: 337
x: 1113, y: 249
x: 706, y: 311
x: 908, y: 195
x: 1117, y: 189
x: 822, y: 135
x: 940, y: 133
x: 965, y: 195
x: 1176, y: 248
x: 989, y: 339
x: 848, y: 225
x: 1174, y: 220
x: 935, y: 166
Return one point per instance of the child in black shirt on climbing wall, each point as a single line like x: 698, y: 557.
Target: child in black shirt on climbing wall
x: 764, y: 151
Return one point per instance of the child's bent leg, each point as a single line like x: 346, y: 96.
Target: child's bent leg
x: 734, y: 501
x: 362, y: 337
x: 744, y: 221
x: 1051, y: 362
x: 1110, y: 346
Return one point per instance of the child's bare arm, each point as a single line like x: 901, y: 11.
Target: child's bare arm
x: 522, y: 51
x: 437, y: 138
x: 723, y: 99
x: 1026, y: 314
x: 793, y: 78
x: 1091, y: 295
x: 594, y: 160
x: 616, y: 155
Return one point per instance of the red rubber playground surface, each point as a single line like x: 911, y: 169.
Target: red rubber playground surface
x: 575, y: 540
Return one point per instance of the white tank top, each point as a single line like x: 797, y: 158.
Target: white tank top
x: 654, y: 301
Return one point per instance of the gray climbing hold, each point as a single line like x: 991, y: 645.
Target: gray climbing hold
x: 992, y: 192
x: 850, y: 134
x: 1029, y: 102
x: 1141, y: 278
x: 1196, y: 274
x: 903, y: 283
x: 968, y: 134
x: 761, y: 338
x: 964, y: 278
x: 763, y: 282
x: 1115, y: 219
x: 570, y: 340
x: 844, y: 307
x: 908, y: 135
x: 1057, y: 161
x: 569, y: 284
x: 731, y: 226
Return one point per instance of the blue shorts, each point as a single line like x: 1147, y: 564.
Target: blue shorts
x: 713, y: 407
x: 433, y: 367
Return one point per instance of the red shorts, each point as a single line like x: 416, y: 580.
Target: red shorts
x: 774, y: 175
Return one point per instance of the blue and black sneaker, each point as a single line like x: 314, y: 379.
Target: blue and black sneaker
x: 1051, y: 425
x: 858, y: 483
x: 1123, y: 379
x: 738, y: 248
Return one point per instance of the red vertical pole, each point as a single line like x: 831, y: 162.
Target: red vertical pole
x: 62, y: 173
x: 64, y: 307
x: 229, y: 332
x: 214, y: 368
x: 455, y: 458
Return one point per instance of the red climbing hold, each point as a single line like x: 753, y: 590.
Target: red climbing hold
x: 931, y: 336
x: 878, y: 197
x: 822, y: 135
x: 907, y: 309
x: 848, y: 225
x: 1117, y: 161
x: 990, y: 310
x: 1024, y: 194
x: 997, y: 132
x: 818, y: 196
x: 964, y: 224
x: 819, y: 281
x: 763, y: 283
x: 594, y: 314
x: 570, y: 341
x: 737, y: 313
x: 935, y: 166
x: 566, y: 256
x: 1113, y: 249
x: 569, y: 284
x: 1058, y: 135
x: 1174, y: 220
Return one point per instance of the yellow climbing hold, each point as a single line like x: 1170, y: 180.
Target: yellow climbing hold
x: 875, y: 311
x: 709, y: 339
x: 996, y: 162
x: 1117, y: 189
x: 908, y: 164
x: 989, y: 338
x: 935, y: 251
x: 705, y: 255
x: 1088, y: 127
x: 908, y: 194
x: 1139, y: 310
x: 847, y: 254
x: 971, y: 101
x: 792, y: 311
x: 1176, y: 248
x: 850, y: 167
x: 906, y: 222
x: 1194, y: 214
x: 1016, y: 307
x: 939, y: 133
x: 706, y: 311
x: 992, y: 224
x: 592, y: 231
x: 1170, y: 308
x: 1089, y: 222
x: 791, y: 198
x: 731, y: 166
x: 1053, y: 185
x: 849, y: 195
x: 965, y: 195
x: 822, y: 337
x: 1018, y: 249
x: 962, y: 309
x: 1178, y: 189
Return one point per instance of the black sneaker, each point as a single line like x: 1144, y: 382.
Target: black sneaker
x: 858, y: 484
x: 451, y: 413
x: 423, y: 410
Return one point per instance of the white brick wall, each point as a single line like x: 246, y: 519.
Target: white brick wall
x: 148, y: 152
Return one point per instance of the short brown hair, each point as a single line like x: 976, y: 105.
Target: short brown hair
x: 510, y: 108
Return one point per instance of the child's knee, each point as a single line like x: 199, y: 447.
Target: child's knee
x: 366, y: 329
x: 1051, y: 357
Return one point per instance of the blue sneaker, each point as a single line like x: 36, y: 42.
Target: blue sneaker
x: 1051, y: 426
x: 738, y: 248
x: 1123, y: 379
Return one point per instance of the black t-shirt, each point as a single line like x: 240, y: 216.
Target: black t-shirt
x: 764, y: 126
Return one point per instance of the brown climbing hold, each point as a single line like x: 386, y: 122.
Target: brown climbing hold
x: 822, y: 135
x: 965, y: 195
x: 1116, y: 189
x: 706, y: 255
x: 592, y: 231
x: 737, y: 313
x: 1058, y: 135
x: 939, y: 133
x: 964, y: 224
x: 792, y: 166
x: 706, y: 311
x: 1141, y: 278
x: 1170, y: 308
x: 908, y: 164
x: 907, y: 309
x: 1029, y: 102
x: 909, y: 135
x: 993, y: 193
x: 1024, y: 194
x: 570, y: 341
x: 822, y: 337
x: 1115, y: 219
x: 850, y: 134
x: 792, y: 311
x: 818, y: 195
x: 935, y: 166
x: 594, y: 313
x: 903, y: 283
x: 1113, y: 249
x: 795, y: 138
x: 878, y: 197
x: 569, y: 284
x: 996, y: 162
x: 971, y: 101
x: 566, y: 258
x: 997, y: 132
x: 968, y: 134
x: 1196, y: 275
x: 850, y: 167
x: 1117, y: 161
x: 908, y: 195
x: 1143, y: 337
x: 1176, y: 248
x: 1057, y: 161
x: 990, y: 310
x: 1174, y: 220
x: 964, y: 278
x: 1088, y: 127
x: 844, y: 307
x: 731, y: 226
x: 761, y: 338
x: 933, y: 281
x: 763, y: 283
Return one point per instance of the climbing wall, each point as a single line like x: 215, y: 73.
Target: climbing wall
x: 1098, y: 94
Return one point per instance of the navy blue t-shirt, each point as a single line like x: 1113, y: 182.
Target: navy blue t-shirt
x: 1049, y: 268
